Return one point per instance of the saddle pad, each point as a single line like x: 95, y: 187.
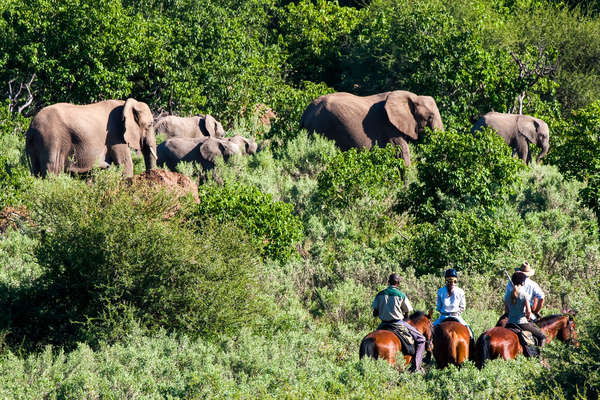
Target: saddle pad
x: 528, y: 338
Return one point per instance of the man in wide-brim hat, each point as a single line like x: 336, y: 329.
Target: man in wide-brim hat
x: 536, y: 294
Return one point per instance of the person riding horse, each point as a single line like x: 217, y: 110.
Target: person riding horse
x: 536, y: 294
x: 517, y: 306
x: 451, y: 301
x: 390, y: 305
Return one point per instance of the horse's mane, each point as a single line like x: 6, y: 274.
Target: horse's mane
x: 417, y: 315
x: 550, y: 319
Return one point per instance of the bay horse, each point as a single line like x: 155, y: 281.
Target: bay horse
x: 452, y: 344
x: 385, y: 344
x: 502, y: 342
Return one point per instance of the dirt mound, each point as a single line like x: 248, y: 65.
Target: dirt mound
x: 13, y: 217
x: 178, y: 183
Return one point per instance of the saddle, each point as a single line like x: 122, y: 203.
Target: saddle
x: 527, y: 340
x: 402, y: 332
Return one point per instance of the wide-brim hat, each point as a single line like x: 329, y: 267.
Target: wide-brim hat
x: 526, y: 269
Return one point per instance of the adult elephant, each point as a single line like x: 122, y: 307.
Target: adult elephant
x: 202, y: 150
x: 357, y: 121
x: 75, y: 138
x: 190, y: 127
x: 518, y: 131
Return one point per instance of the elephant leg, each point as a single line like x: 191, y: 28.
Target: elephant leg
x: 121, y: 154
x: 523, y: 149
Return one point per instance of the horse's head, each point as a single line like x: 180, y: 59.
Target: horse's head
x: 422, y: 322
x: 567, y: 332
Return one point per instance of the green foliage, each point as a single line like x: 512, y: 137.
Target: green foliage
x: 272, y: 223
x: 419, y: 46
x: 466, y: 240
x: 112, y: 254
x: 460, y: 171
x: 315, y: 34
x: 354, y: 174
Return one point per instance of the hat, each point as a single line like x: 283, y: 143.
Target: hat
x: 526, y: 269
x: 450, y: 273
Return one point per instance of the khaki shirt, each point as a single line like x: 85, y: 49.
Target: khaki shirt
x: 391, y: 304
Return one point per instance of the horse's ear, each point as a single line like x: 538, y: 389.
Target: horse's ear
x: 430, y: 313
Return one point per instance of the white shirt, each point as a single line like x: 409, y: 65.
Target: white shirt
x: 531, y: 288
x: 451, y: 305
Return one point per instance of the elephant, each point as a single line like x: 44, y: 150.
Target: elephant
x: 203, y: 150
x: 246, y: 146
x: 518, y: 131
x: 73, y: 138
x: 357, y: 121
x: 191, y: 127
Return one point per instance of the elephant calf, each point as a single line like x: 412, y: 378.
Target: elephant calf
x: 189, y: 127
x: 518, y: 131
x: 203, y: 150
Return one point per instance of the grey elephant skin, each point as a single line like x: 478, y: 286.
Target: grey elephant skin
x: 190, y: 127
x: 203, y: 150
x: 357, y: 121
x: 518, y: 131
x: 245, y: 145
x: 65, y: 137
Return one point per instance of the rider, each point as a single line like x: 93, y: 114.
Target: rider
x: 536, y: 294
x: 451, y: 300
x: 390, y: 305
x: 517, y: 306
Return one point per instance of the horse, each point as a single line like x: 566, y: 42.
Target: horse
x: 502, y: 342
x: 452, y: 344
x: 385, y: 344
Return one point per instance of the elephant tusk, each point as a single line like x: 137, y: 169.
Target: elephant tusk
x: 153, y: 152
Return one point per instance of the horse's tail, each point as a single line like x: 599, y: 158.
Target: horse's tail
x: 368, y: 348
x: 482, y: 350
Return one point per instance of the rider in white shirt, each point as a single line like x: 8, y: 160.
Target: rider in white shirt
x: 451, y: 300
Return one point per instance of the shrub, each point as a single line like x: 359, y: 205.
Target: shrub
x: 459, y: 171
x: 272, y: 223
x: 354, y: 174
x: 113, y: 254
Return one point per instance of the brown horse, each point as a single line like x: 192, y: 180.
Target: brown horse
x: 385, y: 344
x: 502, y: 342
x: 452, y: 344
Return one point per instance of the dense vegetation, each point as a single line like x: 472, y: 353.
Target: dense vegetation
x: 114, y: 289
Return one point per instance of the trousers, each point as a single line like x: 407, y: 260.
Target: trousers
x: 419, y: 343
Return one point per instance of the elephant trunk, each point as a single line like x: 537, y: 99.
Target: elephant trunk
x: 545, y: 147
x: 437, y: 124
x: 149, y: 151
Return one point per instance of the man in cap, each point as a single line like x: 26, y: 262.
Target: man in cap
x: 391, y: 306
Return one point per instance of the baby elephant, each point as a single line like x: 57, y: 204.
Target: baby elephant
x: 245, y: 145
x: 189, y: 127
x: 518, y: 131
x: 203, y: 150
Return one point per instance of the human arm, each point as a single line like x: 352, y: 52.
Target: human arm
x: 537, y: 305
x: 527, y: 310
x: 440, y: 304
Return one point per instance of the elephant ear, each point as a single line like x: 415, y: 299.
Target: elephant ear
x: 132, y: 134
x: 210, y: 126
x: 528, y: 127
x: 398, y: 107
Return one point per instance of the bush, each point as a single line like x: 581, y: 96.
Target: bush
x: 355, y: 174
x: 114, y: 255
x: 272, y: 223
x: 460, y: 171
